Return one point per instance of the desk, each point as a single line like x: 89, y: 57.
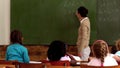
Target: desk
x: 7, y: 66
x: 77, y: 65
x: 62, y: 67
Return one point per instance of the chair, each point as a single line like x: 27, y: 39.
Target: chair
x: 31, y: 65
x: 56, y: 63
x: 86, y: 66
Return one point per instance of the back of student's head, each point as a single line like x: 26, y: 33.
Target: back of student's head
x: 113, y: 49
x: 100, y: 49
x: 16, y: 36
x: 57, y: 49
x: 82, y: 11
x: 117, y: 44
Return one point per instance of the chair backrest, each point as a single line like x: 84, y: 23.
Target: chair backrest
x: 56, y: 63
x: 31, y: 65
x: 86, y: 66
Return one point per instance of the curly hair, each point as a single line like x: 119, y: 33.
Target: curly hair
x: 117, y: 44
x: 57, y: 49
x: 16, y: 37
x: 100, y: 49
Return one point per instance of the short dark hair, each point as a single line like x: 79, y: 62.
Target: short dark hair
x: 82, y: 11
x: 16, y: 37
x: 57, y: 49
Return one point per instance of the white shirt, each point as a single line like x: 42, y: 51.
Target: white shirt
x: 108, y: 61
x: 65, y: 58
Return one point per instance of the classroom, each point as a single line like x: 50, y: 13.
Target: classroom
x: 43, y: 21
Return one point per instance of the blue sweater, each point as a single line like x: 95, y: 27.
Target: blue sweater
x: 17, y: 52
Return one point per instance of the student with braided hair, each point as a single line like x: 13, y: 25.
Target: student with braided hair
x: 101, y: 56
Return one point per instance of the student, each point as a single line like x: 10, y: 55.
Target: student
x: 113, y: 49
x: 57, y: 52
x: 83, y: 33
x: 101, y: 55
x: 16, y: 51
x: 117, y: 54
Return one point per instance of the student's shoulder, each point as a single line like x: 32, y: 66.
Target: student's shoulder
x: 11, y: 45
x: 109, y: 61
x: 109, y: 58
x: 22, y: 46
x: 18, y: 45
x: 94, y: 62
x: 117, y: 53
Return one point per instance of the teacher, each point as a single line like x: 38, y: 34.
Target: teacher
x: 83, y: 33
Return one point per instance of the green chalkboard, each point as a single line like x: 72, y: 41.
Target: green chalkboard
x: 108, y: 20
x: 42, y: 21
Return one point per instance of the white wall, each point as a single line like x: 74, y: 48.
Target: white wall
x: 4, y: 22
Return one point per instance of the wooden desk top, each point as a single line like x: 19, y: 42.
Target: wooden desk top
x: 62, y: 67
x: 7, y: 66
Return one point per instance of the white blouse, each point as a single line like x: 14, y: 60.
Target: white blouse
x: 108, y: 61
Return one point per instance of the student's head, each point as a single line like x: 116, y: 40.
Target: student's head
x: 100, y: 49
x: 57, y: 49
x: 16, y: 37
x: 113, y: 49
x: 82, y: 11
x: 117, y: 44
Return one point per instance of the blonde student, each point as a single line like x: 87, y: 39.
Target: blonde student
x: 101, y: 56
